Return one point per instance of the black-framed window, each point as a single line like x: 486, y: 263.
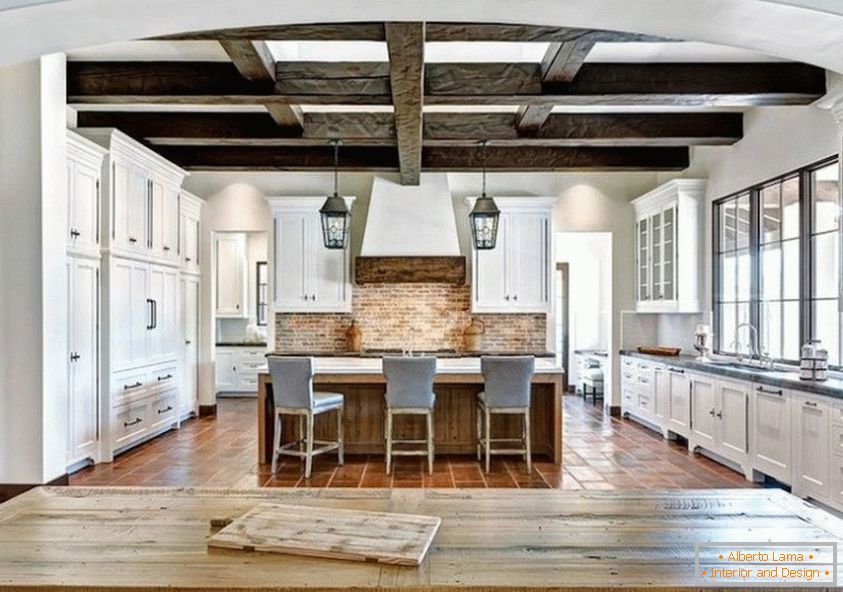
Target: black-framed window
x: 777, y: 264
x: 262, y: 293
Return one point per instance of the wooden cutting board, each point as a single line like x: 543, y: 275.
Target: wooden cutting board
x: 398, y: 539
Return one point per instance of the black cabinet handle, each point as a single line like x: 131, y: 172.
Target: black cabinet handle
x: 133, y: 240
x: 187, y: 342
x: 168, y: 377
x: 719, y: 415
x: 515, y: 297
x: 188, y: 259
x: 767, y: 391
x: 169, y: 408
x: 166, y: 248
x: 150, y: 325
x: 677, y: 370
x: 74, y: 356
x: 136, y: 421
x: 75, y: 233
x: 127, y: 387
x: 711, y: 412
x: 506, y: 297
x: 810, y: 403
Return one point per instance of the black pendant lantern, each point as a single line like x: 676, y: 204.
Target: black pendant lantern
x: 336, y: 218
x: 484, y: 215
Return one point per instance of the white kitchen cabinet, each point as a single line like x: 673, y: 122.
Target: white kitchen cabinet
x: 703, y: 413
x: 130, y: 315
x: 307, y: 276
x: 812, y: 446
x: 163, y: 296
x: 515, y: 276
x: 164, y: 220
x: 226, y: 369
x: 231, y: 289
x: 771, y: 431
x: 668, y: 247
x: 629, y: 386
x: 719, y: 419
x: 661, y: 393
x: 679, y: 407
x: 189, y: 400
x: 83, y: 364
x: 84, y: 172
x: 646, y: 391
x: 190, y: 214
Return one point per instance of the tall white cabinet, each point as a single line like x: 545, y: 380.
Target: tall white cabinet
x: 668, y: 253
x: 84, y: 162
x: 515, y: 276
x: 308, y: 277
x: 231, y: 275
x: 141, y: 332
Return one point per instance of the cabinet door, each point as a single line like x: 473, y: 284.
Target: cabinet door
x: 812, y: 445
x: 661, y: 407
x: 120, y: 229
x: 157, y: 215
x: 190, y: 241
x: 646, y: 395
x: 703, y: 410
x: 170, y: 221
x: 732, y: 401
x: 138, y: 196
x: 83, y: 210
x: 490, y: 274
x: 83, y: 400
x: 655, y: 256
x: 231, y: 283
x: 131, y: 314
x: 680, y: 402
x: 668, y: 253
x: 157, y: 297
x: 292, y: 289
x: 527, y: 268
x: 772, y: 433
x: 190, y: 329
x: 326, y: 271
x: 226, y: 370
x: 643, y: 259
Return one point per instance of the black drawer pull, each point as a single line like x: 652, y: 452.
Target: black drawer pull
x: 188, y: 259
x: 168, y: 377
x: 127, y: 387
x: 166, y: 248
x: 169, y: 408
x: 133, y: 240
x: 127, y: 424
x: 810, y: 403
x: 677, y: 370
x: 767, y: 391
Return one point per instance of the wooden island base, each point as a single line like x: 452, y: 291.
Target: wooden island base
x: 454, y: 415
x: 145, y: 540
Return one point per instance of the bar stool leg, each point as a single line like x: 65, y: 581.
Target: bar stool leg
x: 276, y: 445
x: 479, y: 430
x: 528, y: 441
x: 486, y: 441
x: 429, y: 418
x: 340, y: 437
x: 308, y: 461
x: 302, y: 434
x: 388, y: 441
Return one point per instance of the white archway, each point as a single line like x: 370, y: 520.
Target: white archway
x: 809, y: 31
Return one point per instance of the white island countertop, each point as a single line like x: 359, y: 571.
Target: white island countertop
x: 468, y: 365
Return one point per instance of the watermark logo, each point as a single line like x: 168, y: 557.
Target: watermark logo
x: 766, y: 564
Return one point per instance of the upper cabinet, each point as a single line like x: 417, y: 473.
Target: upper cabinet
x: 141, y: 214
x: 308, y: 277
x: 84, y: 169
x: 231, y: 275
x: 515, y: 276
x: 668, y: 237
x: 190, y: 217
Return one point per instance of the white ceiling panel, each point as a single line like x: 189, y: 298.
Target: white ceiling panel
x: 152, y: 51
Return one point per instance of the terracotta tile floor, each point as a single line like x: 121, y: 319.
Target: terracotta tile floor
x: 598, y: 453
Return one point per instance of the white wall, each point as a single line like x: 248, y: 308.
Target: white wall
x: 33, y: 277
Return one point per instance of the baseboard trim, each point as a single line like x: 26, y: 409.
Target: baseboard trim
x: 10, y: 490
x: 208, y: 410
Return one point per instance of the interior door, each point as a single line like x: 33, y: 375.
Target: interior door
x: 190, y: 328
x: 733, y: 415
x: 490, y: 285
x: 527, y: 240
x: 327, y: 270
x: 290, y: 259
x: 84, y: 394
x: 703, y: 412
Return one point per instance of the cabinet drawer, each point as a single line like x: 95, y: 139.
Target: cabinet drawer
x: 163, y: 378
x: 163, y: 408
x: 248, y: 381
x: 128, y: 385
x: 253, y: 367
x: 645, y: 403
x: 131, y: 423
x: 627, y: 363
x: 252, y: 356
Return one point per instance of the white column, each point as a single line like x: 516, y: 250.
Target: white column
x: 33, y: 276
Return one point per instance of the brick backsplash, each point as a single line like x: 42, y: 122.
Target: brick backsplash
x: 438, y: 313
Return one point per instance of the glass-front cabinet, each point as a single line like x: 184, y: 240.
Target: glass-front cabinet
x: 668, y: 247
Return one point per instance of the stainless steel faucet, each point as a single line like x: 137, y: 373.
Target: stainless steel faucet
x: 756, y: 355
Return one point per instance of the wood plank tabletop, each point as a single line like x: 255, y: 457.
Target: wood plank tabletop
x: 489, y: 540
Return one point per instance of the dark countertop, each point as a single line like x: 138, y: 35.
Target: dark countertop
x: 438, y: 354
x: 241, y: 344
x: 833, y: 387
x: 600, y: 353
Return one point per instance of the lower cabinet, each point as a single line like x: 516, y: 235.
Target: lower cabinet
x: 238, y: 368
x: 812, y: 446
x: 679, y: 402
x: 145, y: 402
x: 720, y: 411
x: 771, y: 433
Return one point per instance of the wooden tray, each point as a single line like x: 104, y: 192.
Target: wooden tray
x: 398, y: 539
x: 659, y: 351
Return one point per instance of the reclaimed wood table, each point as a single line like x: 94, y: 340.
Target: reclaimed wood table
x: 456, y: 384
x: 145, y: 539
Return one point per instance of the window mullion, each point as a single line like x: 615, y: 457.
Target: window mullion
x: 754, y: 262
x: 806, y: 258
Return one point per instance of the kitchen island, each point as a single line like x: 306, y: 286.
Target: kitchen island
x: 457, y: 382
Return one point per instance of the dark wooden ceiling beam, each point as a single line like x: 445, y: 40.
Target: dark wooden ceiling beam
x: 439, y: 129
x: 686, y: 84
x: 374, y: 31
x: 434, y: 159
x: 405, y: 45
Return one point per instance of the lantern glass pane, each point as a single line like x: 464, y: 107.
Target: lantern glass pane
x: 484, y: 230
x: 334, y: 230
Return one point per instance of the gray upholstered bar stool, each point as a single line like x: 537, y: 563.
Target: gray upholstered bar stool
x: 506, y: 391
x: 292, y: 393
x: 409, y: 390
